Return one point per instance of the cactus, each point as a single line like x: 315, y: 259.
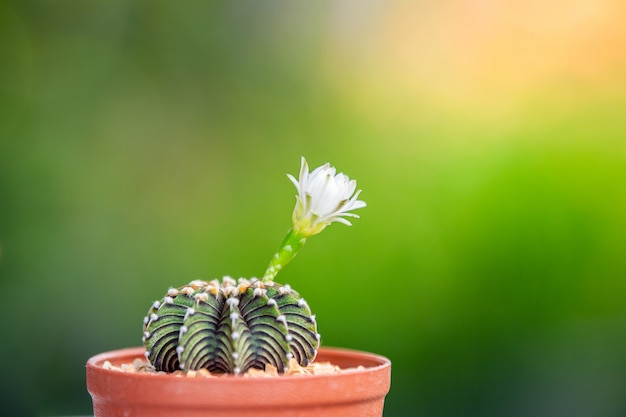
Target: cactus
x: 232, y: 326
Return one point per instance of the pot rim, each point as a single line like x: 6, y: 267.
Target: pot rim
x: 127, y: 355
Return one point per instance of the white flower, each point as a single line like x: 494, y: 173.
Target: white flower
x: 323, y: 198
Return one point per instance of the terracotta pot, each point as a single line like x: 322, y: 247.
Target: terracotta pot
x: 355, y: 393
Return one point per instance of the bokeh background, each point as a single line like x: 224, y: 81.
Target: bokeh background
x: 145, y: 144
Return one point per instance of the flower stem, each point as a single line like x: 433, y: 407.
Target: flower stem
x: 292, y: 243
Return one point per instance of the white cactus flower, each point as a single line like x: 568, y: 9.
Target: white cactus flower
x: 323, y: 198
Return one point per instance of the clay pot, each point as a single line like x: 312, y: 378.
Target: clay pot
x: 354, y: 393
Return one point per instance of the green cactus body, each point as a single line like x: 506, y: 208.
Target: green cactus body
x: 230, y: 326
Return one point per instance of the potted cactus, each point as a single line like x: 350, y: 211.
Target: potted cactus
x: 209, y: 346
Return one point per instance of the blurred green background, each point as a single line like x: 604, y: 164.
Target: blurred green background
x: 145, y: 144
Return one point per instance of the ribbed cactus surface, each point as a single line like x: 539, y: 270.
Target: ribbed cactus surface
x: 230, y: 326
